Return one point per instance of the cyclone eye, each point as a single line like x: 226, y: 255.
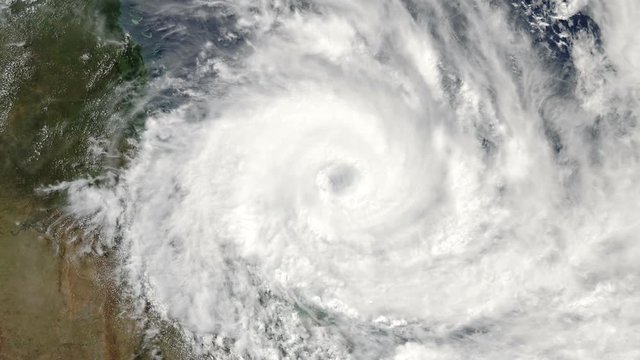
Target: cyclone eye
x: 337, y: 179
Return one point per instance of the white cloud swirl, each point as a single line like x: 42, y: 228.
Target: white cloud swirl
x: 413, y: 177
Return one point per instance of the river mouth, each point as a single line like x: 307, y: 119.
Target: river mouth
x: 285, y: 179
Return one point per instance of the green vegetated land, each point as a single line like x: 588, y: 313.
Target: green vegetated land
x: 68, y: 75
x: 67, y: 65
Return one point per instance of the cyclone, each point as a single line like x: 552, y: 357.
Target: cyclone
x: 388, y: 179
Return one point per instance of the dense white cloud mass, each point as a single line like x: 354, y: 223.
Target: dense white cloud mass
x: 391, y: 179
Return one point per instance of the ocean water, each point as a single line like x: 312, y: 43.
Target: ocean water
x: 381, y: 179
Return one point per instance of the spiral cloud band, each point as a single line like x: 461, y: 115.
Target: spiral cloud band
x: 391, y: 179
